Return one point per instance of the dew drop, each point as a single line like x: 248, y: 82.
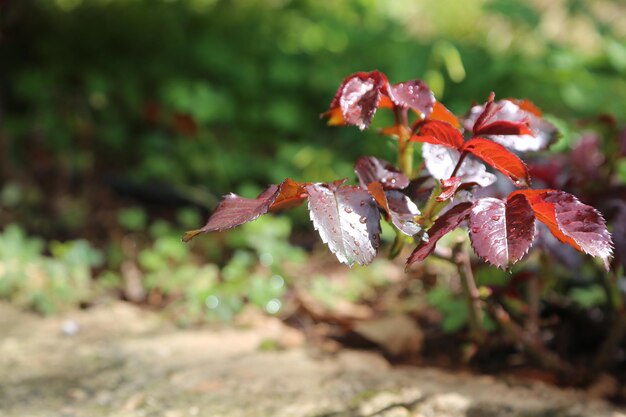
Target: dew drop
x: 475, y: 229
x: 495, y: 218
x: 347, y: 210
x: 393, y: 181
x: 363, y: 220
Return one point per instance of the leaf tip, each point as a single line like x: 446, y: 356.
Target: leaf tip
x: 189, y: 235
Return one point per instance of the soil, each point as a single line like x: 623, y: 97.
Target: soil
x: 120, y: 360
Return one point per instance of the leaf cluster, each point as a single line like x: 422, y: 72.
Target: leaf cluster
x: 457, y: 154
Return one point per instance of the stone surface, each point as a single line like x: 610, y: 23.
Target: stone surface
x: 125, y: 362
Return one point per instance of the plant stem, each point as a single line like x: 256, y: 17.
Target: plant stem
x: 531, y: 343
x: 461, y: 258
x: 405, y: 148
x: 458, y: 164
x: 617, y: 331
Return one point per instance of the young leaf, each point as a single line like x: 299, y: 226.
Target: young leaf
x: 358, y: 98
x: 439, y: 133
x: 290, y: 195
x: 448, y: 188
x: 571, y: 221
x: 500, y: 158
x: 440, y: 162
x: 347, y: 220
x: 234, y: 210
x: 400, y: 209
x: 413, y: 94
x: 502, y: 232
x: 370, y: 169
x: 522, y: 114
x: 449, y: 221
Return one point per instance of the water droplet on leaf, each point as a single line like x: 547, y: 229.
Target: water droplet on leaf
x: 363, y: 220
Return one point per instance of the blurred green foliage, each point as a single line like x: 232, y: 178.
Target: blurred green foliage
x: 46, y: 283
x: 217, y: 92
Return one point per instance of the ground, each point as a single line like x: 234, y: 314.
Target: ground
x: 119, y: 360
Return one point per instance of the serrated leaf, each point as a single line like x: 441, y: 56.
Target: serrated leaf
x: 234, y: 210
x: 500, y: 158
x: 542, y: 133
x: 370, y: 169
x: 347, y: 220
x: 439, y: 133
x: 413, y: 94
x: 447, y: 222
x: 358, y: 98
x: 440, y: 162
x: 571, y: 221
x: 400, y: 209
x: 502, y: 232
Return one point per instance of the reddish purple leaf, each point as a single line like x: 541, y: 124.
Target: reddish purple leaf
x: 358, y: 98
x: 583, y: 224
x: 502, y: 232
x: 234, y: 210
x: 520, y: 113
x: 440, y: 162
x: 571, y: 221
x: 500, y: 158
x: 413, y: 94
x: 448, y: 221
x: 400, y: 209
x: 439, y: 133
x: 347, y: 220
x: 370, y: 169
x: 503, y: 127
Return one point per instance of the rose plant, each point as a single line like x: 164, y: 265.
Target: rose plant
x: 456, y: 154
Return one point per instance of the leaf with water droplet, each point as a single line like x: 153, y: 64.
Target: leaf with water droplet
x: 413, y: 94
x: 349, y: 228
x: 516, y: 124
x: 370, y: 169
x: 357, y: 99
x: 440, y: 162
x: 571, y: 221
x: 502, y: 232
x: 400, y: 209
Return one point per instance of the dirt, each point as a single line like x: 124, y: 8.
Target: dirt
x: 119, y: 360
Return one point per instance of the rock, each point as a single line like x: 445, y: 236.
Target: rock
x: 125, y: 361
